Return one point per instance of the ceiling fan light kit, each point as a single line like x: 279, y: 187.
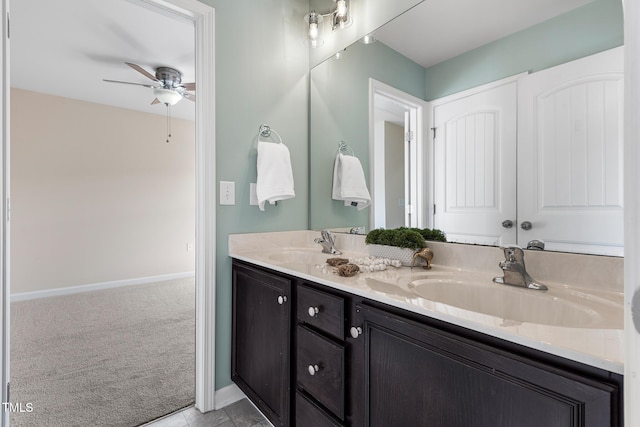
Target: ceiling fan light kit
x: 167, y: 87
x: 167, y: 96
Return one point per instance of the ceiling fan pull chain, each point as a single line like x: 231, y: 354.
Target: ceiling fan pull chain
x: 168, y: 123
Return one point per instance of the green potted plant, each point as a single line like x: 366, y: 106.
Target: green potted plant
x: 400, y: 243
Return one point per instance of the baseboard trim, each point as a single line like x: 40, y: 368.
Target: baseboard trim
x: 228, y: 395
x: 24, y: 296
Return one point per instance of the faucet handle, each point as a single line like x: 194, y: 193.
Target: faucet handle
x: 513, y: 253
x: 326, y: 235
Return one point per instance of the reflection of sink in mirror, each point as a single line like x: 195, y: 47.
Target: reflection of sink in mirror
x: 300, y: 256
x: 556, y: 307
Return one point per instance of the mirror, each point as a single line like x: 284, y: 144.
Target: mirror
x: 482, y: 48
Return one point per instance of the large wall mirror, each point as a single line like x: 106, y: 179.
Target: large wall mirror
x: 434, y: 50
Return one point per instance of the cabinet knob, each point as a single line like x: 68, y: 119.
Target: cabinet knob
x: 282, y: 299
x: 507, y: 223
x: 313, y: 369
x: 355, y: 331
x: 526, y: 225
x: 313, y: 311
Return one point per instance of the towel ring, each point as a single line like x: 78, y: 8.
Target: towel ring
x: 344, y: 148
x: 265, y: 132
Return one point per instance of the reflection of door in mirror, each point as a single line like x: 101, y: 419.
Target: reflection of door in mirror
x: 569, y: 159
x: 397, y: 154
x: 475, y: 164
x: 570, y: 155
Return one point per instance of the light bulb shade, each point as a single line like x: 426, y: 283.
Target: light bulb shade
x: 167, y: 96
x: 314, y: 27
x: 341, y: 16
x: 341, y: 8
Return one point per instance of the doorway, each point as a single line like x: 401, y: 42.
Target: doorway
x: 397, y: 142
x: 203, y: 18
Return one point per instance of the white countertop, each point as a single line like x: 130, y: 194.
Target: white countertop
x: 600, y: 344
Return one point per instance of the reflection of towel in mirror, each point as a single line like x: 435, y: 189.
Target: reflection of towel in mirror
x: 275, y: 176
x: 349, y: 183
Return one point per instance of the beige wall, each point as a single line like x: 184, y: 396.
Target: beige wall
x: 97, y: 195
x: 394, y: 174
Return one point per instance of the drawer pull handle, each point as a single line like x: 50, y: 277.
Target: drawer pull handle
x: 355, y: 331
x: 313, y: 311
x: 282, y: 299
x: 313, y: 369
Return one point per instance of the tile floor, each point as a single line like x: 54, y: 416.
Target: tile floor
x: 238, y: 414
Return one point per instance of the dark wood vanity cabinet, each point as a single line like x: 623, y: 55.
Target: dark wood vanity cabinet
x: 329, y: 358
x: 418, y: 375
x: 261, y: 337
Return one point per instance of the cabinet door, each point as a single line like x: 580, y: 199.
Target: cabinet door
x: 419, y: 376
x: 260, y: 340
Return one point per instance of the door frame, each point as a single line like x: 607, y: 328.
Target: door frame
x: 420, y: 109
x: 203, y: 17
x: 4, y: 214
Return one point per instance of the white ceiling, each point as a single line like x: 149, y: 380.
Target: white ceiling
x: 66, y: 48
x: 436, y: 30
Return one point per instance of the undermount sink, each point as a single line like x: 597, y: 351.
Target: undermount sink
x: 555, y: 307
x: 299, y: 256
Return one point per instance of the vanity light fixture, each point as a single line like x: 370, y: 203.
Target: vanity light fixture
x: 340, y: 18
x: 314, y: 21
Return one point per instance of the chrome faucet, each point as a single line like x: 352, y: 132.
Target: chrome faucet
x: 327, y: 243
x: 515, y: 273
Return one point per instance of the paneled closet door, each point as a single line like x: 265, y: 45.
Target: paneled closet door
x: 570, y: 155
x: 475, y: 164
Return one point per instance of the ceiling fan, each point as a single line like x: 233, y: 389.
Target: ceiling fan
x: 167, y: 85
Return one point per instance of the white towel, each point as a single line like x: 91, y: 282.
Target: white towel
x: 275, y: 177
x: 349, y: 183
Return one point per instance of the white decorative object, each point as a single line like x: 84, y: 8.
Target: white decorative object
x: 404, y: 255
x: 370, y: 264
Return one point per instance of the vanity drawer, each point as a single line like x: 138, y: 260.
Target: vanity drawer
x: 320, y: 369
x: 322, y: 310
x: 309, y: 414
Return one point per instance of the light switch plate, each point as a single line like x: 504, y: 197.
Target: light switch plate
x: 227, y: 193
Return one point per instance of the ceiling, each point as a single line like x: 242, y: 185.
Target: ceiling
x: 68, y: 47
x: 442, y: 29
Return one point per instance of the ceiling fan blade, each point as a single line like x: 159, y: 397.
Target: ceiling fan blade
x: 189, y: 96
x: 142, y: 71
x: 155, y: 101
x: 128, y: 83
x: 189, y: 86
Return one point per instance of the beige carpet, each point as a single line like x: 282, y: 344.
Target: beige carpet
x: 117, y: 357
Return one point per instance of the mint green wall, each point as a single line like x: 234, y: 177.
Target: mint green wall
x: 340, y: 111
x: 262, y: 66
x: 592, y: 28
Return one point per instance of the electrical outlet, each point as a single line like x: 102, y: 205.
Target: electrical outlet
x: 227, y: 193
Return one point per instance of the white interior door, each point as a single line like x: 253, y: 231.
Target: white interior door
x: 475, y: 164
x: 570, y: 155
